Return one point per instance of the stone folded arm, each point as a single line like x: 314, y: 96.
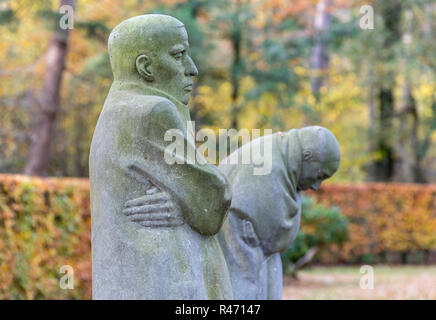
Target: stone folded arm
x: 155, y: 209
x: 200, y: 191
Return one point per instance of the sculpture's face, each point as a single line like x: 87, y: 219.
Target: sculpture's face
x: 314, y: 172
x: 172, y: 67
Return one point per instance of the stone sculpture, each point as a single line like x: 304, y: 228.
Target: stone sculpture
x: 154, y: 224
x: 264, y: 217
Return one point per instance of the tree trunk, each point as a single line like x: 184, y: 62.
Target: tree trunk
x: 404, y: 149
x: 48, y: 102
x: 422, y: 146
x: 427, y: 255
x: 409, y: 150
x: 404, y: 257
x: 383, y: 167
x: 236, y: 38
x: 372, y: 130
x: 319, y: 59
x: 417, y: 169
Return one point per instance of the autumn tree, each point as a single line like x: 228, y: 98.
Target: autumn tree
x: 49, y: 101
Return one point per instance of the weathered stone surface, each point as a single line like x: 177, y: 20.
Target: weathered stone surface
x: 153, y: 224
x: 264, y: 217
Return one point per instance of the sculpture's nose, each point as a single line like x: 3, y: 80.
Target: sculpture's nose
x: 190, y: 68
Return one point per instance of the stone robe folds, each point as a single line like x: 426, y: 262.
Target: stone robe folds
x: 126, y: 159
x: 264, y: 217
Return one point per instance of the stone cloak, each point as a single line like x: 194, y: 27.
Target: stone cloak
x: 130, y: 261
x: 264, y: 217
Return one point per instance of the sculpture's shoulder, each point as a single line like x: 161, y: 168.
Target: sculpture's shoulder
x: 126, y: 115
x: 262, y: 152
x: 138, y: 105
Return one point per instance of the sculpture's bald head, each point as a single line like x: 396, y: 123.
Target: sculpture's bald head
x: 153, y: 48
x: 321, y: 156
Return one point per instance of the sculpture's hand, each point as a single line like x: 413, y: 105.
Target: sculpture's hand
x: 155, y: 209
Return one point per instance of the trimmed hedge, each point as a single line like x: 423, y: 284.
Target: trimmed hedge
x: 45, y: 224
x: 384, y: 218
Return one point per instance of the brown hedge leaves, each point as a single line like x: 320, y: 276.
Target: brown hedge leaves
x: 46, y: 223
x: 384, y: 217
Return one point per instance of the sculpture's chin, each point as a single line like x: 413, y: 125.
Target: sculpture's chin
x: 285, y: 242
x: 186, y: 99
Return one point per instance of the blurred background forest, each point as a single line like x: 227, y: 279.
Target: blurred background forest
x: 268, y: 64
x: 263, y: 64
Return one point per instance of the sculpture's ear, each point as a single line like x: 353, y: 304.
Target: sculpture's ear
x: 307, y: 155
x: 142, y: 66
